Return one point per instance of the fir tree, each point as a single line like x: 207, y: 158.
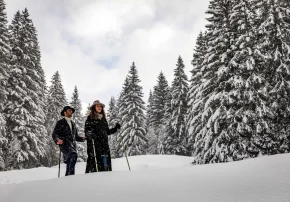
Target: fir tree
x: 274, y: 56
x: 26, y: 146
x: 132, y: 115
x: 4, y: 55
x: 196, y: 101
x: 4, y: 70
x: 112, y: 116
x: 152, y: 138
x: 121, y: 109
x: 175, y: 136
x: 78, y: 120
x: 112, y: 113
x: 158, y: 105
x: 233, y: 87
x: 55, y: 102
x: 166, y: 127
x: 36, y: 74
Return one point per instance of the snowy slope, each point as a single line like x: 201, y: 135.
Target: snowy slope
x: 136, y: 163
x: 265, y: 179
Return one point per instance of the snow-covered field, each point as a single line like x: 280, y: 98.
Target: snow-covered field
x: 155, y: 178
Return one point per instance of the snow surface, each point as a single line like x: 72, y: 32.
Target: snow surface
x: 156, y: 178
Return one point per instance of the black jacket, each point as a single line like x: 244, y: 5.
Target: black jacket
x: 69, y: 137
x: 98, y: 130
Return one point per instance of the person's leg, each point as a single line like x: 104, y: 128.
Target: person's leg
x: 90, y: 164
x: 105, y: 162
x: 71, y: 164
x: 67, y: 168
x: 109, y: 162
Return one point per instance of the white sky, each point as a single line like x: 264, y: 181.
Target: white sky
x: 92, y: 43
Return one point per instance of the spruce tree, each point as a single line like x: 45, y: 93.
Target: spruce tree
x: 175, y: 137
x: 112, y: 116
x: 4, y: 56
x: 4, y: 70
x: 196, y: 101
x: 158, y: 105
x: 112, y: 113
x: 36, y: 74
x: 166, y: 127
x: 274, y: 56
x: 78, y: 120
x: 121, y: 109
x: 151, y: 136
x: 233, y: 87
x: 55, y: 102
x: 26, y: 146
x: 132, y: 115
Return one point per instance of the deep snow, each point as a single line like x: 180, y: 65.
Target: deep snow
x: 156, y: 178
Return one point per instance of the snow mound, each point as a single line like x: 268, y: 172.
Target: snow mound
x: 159, y: 178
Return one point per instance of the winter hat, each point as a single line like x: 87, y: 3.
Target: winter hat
x: 97, y: 102
x: 66, y: 108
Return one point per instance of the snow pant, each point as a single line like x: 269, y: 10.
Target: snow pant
x: 103, y: 157
x: 70, y: 166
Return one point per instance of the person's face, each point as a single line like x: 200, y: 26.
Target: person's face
x: 68, y: 113
x: 99, y: 108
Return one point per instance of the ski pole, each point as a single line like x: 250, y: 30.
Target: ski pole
x: 125, y: 153
x: 59, y: 162
x: 95, y: 155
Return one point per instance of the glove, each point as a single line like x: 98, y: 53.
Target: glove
x: 118, y: 126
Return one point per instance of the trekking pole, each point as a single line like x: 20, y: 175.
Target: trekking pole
x: 95, y: 155
x: 59, y: 162
x: 124, y: 150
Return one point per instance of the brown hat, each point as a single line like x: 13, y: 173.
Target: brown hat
x: 97, y: 102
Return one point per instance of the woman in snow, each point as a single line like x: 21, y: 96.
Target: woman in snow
x: 96, y: 132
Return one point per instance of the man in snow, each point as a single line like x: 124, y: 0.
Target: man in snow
x: 65, y: 135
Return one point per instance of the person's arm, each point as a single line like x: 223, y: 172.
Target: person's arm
x: 88, y: 129
x: 56, y: 136
x: 113, y: 130
x: 79, y: 138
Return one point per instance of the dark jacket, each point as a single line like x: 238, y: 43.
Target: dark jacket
x: 98, y: 130
x: 69, y: 137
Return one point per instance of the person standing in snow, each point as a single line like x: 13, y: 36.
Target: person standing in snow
x: 96, y: 132
x: 65, y: 134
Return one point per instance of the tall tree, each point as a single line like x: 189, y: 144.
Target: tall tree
x: 79, y: 122
x: 151, y: 136
x: 158, y: 105
x: 26, y: 146
x: 274, y: 57
x: 36, y: 74
x: 132, y: 115
x: 55, y: 102
x: 166, y: 126
x: 112, y: 116
x: 121, y: 107
x: 195, y: 99
x: 233, y: 86
x: 175, y: 137
x: 4, y: 70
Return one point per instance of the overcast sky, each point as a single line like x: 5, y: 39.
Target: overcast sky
x: 92, y: 43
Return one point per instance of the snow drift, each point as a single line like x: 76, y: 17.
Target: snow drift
x: 157, y: 178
